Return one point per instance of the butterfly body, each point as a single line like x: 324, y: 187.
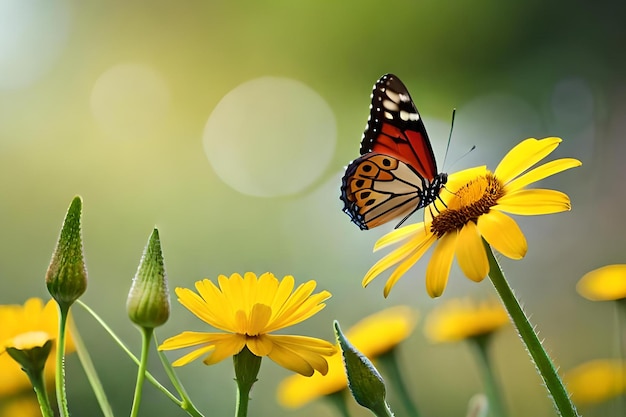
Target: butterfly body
x: 396, y: 173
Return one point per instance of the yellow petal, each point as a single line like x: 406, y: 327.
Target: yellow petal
x: 289, y: 359
x: 188, y: 339
x: 389, y: 260
x: 596, y: 381
x: 297, y: 390
x: 603, y: 284
x: 523, y: 156
x: 439, y: 266
x: 416, y: 254
x: 380, y: 332
x: 541, y: 172
x: 501, y: 232
x: 534, y: 202
x: 470, y: 253
x: 398, y: 235
x: 192, y: 356
x: 260, y: 345
x: 460, y: 319
x: 258, y: 320
x: 226, y: 347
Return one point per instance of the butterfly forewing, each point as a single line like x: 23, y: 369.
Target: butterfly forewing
x: 395, y: 127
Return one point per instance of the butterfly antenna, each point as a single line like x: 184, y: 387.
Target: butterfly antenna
x: 445, y: 156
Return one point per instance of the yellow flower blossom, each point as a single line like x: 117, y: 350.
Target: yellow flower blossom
x: 596, y: 381
x: 461, y: 319
x: 247, y: 310
x: 474, y: 205
x: 26, y: 326
x: 604, y: 284
x: 372, y: 336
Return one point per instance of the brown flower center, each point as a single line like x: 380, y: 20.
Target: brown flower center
x: 469, y: 203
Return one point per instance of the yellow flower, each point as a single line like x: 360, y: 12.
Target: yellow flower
x: 21, y: 406
x: 462, y: 319
x: 475, y: 201
x: 26, y: 326
x: 596, y: 381
x: 248, y: 309
x: 372, y: 336
x: 604, y: 284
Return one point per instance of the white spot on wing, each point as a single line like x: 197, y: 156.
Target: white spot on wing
x: 390, y: 105
x: 393, y: 96
x: 389, y: 115
x: 406, y: 116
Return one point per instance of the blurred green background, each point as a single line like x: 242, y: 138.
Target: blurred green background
x: 228, y: 125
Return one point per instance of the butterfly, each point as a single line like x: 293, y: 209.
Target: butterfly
x: 396, y: 174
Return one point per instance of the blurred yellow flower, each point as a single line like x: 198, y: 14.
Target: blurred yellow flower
x: 372, y: 336
x: 26, y: 325
x: 21, y: 406
x: 596, y: 381
x: 461, y: 319
x: 475, y: 201
x: 604, y: 284
x: 248, y: 309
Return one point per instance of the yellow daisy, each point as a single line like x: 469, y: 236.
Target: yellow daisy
x: 596, y: 381
x: 475, y: 202
x: 26, y: 326
x: 461, y: 319
x: 248, y: 309
x: 604, y: 284
x: 372, y: 336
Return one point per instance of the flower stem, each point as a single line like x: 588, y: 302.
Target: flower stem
x: 186, y: 403
x: 90, y: 371
x: 37, y: 381
x: 338, y: 399
x: 247, y: 367
x: 542, y: 361
x: 481, y: 345
x: 64, y: 310
x: 389, y: 361
x: 121, y: 344
x: 146, y: 335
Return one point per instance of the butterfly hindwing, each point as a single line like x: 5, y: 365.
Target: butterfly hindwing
x: 378, y: 188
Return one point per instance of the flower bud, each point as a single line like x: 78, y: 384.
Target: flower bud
x: 66, y: 277
x: 365, y: 383
x: 148, y: 302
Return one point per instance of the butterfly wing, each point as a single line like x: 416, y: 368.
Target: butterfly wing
x: 395, y: 128
x: 396, y: 173
x: 378, y: 188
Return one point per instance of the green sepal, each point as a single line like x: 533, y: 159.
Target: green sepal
x: 32, y: 360
x: 148, y: 303
x: 66, y: 277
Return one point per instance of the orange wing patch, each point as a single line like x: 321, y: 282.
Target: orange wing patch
x: 379, y: 188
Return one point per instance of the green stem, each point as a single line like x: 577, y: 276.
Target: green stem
x: 247, y: 367
x: 186, y: 403
x: 389, y: 361
x: 338, y: 400
x: 544, y: 365
x: 37, y: 380
x: 146, y: 334
x: 64, y: 310
x: 496, y: 405
x: 90, y: 371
